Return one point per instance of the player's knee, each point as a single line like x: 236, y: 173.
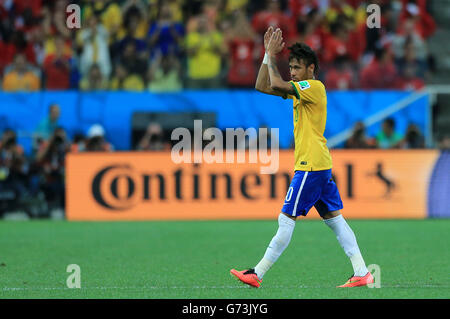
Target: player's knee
x: 331, y: 214
x: 294, y: 218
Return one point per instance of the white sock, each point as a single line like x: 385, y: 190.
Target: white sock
x: 278, y: 244
x: 347, y: 240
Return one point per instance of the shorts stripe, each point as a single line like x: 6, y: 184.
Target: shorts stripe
x: 298, y: 194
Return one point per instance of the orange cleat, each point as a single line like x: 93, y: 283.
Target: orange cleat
x: 357, y: 281
x: 248, y: 277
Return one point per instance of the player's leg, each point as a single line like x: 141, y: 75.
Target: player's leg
x: 298, y: 199
x: 278, y: 244
x: 302, y: 194
x: 329, y: 207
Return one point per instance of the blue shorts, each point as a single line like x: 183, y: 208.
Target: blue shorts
x: 308, y: 189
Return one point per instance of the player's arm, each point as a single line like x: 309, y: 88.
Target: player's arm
x: 277, y: 84
x: 262, y: 81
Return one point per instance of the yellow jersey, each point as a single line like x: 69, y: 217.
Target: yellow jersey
x: 310, y: 116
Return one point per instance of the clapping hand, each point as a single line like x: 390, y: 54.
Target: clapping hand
x: 276, y: 43
x: 267, y: 36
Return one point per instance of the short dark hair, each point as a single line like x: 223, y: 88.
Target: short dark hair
x: 302, y: 51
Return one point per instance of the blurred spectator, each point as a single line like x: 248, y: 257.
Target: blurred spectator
x: 17, y: 44
x: 409, y: 37
x: 413, y: 138
x: 20, y: 76
x: 243, y: 52
x: 108, y: 11
x: 444, y: 142
x: 357, y: 40
x: 96, y: 141
x: 380, y: 73
x: 58, y: 19
x: 132, y: 62
x: 388, y: 137
x: 25, y: 9
x: 410, y: 60
x: 78, y: 143
x: 133, y: 31
x: 50, y: 159
x: 205, y: 49
x: 164, y: 74
x: 165, y: 35
x: 232, y: 5
x: 341, y: 76
x: 176, y: 8
x: 310, y: 31
x: 347, y: 26
x: 135, y: 19
x: 337, y: 8
x: 153, y: 139
x: 299, y: 9
x: 358, y: 140
x: 273, y: 16
x: 377, y: 38
x: 13, y: 169
x: 408, y: 79
x: 122, y: 80
x: 210, y: 10
x: 49, y: 124
x: 336, y: 44
x: 416, y: 11
x: 12, y: 159
x: 37, y: 39
x: 57, y: 43
x: 94, y: 43
x: 94, y: 80
x: 57, y: 68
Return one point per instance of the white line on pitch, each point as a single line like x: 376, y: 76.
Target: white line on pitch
x: 207, y: 287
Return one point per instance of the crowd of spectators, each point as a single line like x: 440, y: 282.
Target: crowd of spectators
x: 387, y: 138
x: 173, y: 44
x: 28, y: 178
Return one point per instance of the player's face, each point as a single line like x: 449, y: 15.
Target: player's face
x: 299, y: 71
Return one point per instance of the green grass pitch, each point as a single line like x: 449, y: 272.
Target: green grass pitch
x: 193, y: 259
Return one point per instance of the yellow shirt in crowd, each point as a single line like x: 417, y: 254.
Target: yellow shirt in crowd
x: 206, y: 62
x: 28, y: 81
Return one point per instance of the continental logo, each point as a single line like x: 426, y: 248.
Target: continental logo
x: 120, y: 187
x: 114, y: 187
x: 150, y: 186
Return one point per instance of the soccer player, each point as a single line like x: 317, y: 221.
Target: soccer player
x: 312, y: 184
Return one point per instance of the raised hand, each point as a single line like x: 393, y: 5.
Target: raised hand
x: 276, y: 43
x: 267, y: 36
